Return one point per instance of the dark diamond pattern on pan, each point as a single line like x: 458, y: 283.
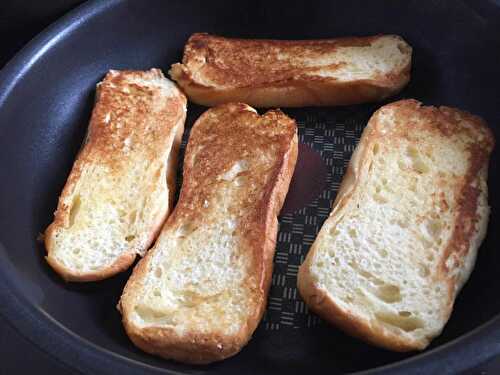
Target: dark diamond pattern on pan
x: 334, y: 135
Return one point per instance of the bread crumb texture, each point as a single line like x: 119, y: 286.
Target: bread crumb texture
x: 117, y: 193
x: 404, y: 232
x: 205, y: 281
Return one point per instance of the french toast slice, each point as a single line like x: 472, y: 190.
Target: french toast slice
x: 201, y: 291
x: 293, y: 73
x: 121, y: 186
x: 405, y: 228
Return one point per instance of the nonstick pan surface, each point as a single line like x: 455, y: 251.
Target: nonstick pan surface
x: 46, y: 96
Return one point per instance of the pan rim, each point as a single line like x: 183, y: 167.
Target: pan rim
x: 77, y: 353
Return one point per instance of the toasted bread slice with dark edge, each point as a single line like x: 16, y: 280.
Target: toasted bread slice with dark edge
x: 279, y: 73
x: 405, y: 228
x: 121, y: 187
x: 200, y: 292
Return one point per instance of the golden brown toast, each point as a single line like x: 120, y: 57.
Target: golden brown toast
x: 201, y: 291
x: 405, y: 228
x: 279, y: 73
x: 121, y: 186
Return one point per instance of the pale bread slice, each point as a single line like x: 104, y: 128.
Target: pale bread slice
x: 200, y: 292
x: 405, y: 227
x: 292, y: 73
x: 121, y: 186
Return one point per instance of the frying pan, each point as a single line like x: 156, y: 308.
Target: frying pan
x: 46, y: 96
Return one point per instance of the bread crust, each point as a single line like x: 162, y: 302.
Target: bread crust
x: 468, y: 232
x: 260, y: 236
x: 214, y: 70
x: 99, y: 143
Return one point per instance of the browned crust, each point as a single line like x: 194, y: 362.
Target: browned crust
x: 99, y: 145
x: 266, y: 81
x: 466, y: 234
x: 196, y: 347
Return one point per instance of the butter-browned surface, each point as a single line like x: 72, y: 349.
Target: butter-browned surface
x: 284, y: 73
x: 245, y: 62
x: 212, y: 262
x: 129, y: 113
x: 231, y: 133
x: 129, y: 155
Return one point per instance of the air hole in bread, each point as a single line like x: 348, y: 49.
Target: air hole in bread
x: 375, y: 149
x: 434, y: 228
x: 379, y: 198
x: 352, y: 233
x: 132, y: 216
x: 129, y: 238
x: 389, y: 293
x: 76, y: 251
x: 425, y: 242
x: 404, y: 314
x: 334, y: 231
x: 185, y: 230
x: 192, y: 299
x: 367, y: 275
x: 383, y: 253
x: 158, y: 272
x: 377, y: 281
x: 403, y: 223
x: 405, y: 323
x: 420, y: 167
x: 157, y: 292
x: 412, y: 152
x: 423, y: 270
x: 417, y: 163
x: 75, y: 208
x: 151, y: 315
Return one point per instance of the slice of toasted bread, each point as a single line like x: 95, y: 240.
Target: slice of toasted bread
x: 278, y: 73
x: 406, y: 225
x: 121, y: 187
x: 200, y: 292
